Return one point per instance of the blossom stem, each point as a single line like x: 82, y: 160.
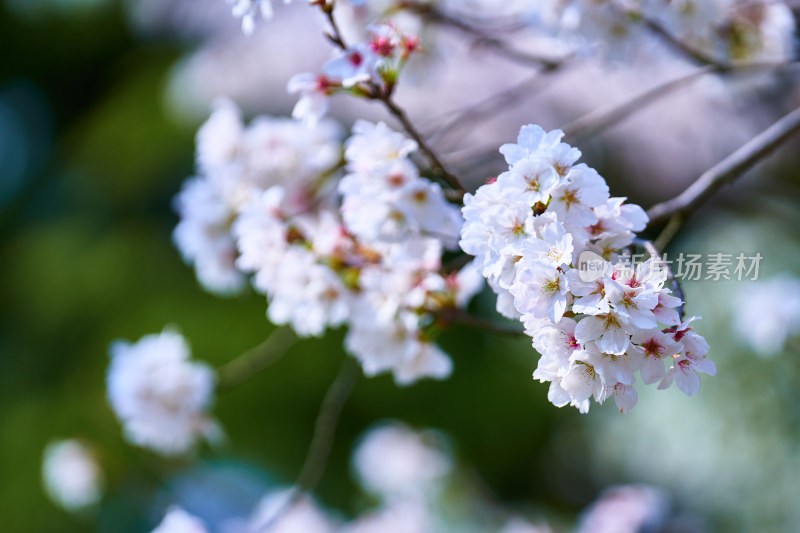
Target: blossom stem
x: 336, y: 34
x: 727, y: 170
x: 385, y: 96
x: 322, y: 440
x: 256, y: 359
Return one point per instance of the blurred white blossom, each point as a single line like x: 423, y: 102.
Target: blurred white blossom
x: 179, y: 521
x: 394, y: 461
x: 159, y: 395
x: 520, y: 525
x: 277, y: 513
x: 72, y: 477
x: 626, y: 509
x: 767, y: 313
x: 404, y: 516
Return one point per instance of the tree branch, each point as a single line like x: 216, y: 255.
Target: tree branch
x: 322, y: 440
x: 256, y: 359
x: 727, y: 170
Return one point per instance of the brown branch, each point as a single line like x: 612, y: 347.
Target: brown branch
x: 456, y: 316
x: 256, y: 359
x: 322, y: 440
x: 727, y: 170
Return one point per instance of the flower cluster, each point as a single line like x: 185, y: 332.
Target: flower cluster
x: 384, y: 199
x: 366, y: 68
x: 236, y: 164
x: 161, y: 396
x: 371, y: 259
x: 548, y: 238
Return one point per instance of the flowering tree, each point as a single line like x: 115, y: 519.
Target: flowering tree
x: 371, y: 230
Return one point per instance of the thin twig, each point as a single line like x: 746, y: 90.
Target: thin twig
x: 385, y: 96
x: 256, y: 359
x: 727, y: 170
x: 437, y: 166
x: 335, y: 36
x: 322, y: 440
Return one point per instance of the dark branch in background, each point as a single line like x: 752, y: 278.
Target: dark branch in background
x: 435, y: 15
x: 655, y: 253
x: 449, y: 121
x: 489, y: 106
x: 726, y: 171
x: 597, y: 121
x: 690, y: 52
x: 256, y: 359
x: 322, y: 440
x: 455, y: 316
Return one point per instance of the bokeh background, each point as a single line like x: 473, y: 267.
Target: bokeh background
x: 99, y: 102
